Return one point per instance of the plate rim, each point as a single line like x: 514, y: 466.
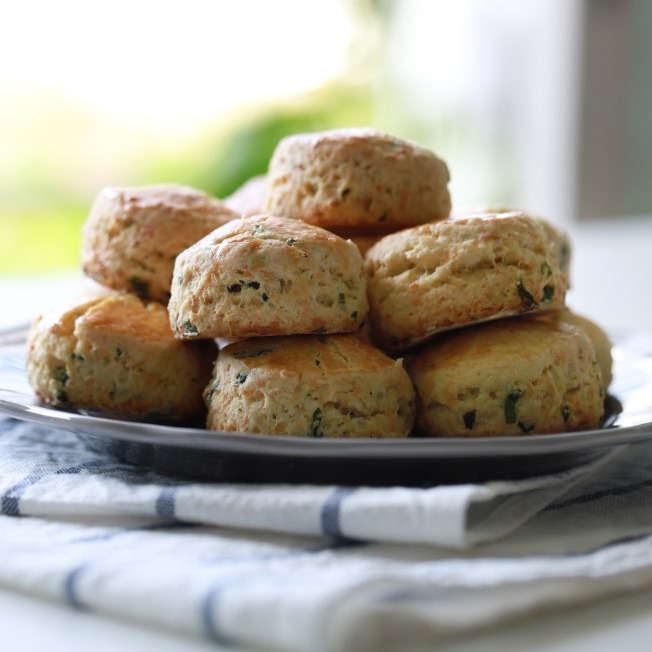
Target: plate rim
x: 31, y: 410
x: 22, y: 404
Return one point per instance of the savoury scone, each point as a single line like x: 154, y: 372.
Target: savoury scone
x: 357, y: 179
x: 599, y: 338
x: 557, y: 236
x: 266, y: 275
x: 363, y: 241
x: 116, y: 354
x: 133, y: 235
x: 510, y: 377
x: 457, y: 272
x: 249, y: 198
x: 310, y: 386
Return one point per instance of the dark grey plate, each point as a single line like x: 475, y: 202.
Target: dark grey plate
x: 236, y: 457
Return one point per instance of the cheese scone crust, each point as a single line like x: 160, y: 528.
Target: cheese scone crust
x: 516, y: 376
x: 264, y: 276
x: 357, y: 179
x: 598, y: 336
x: 310, y: 386
x: 132, y: 236
x: 456, y: 272
x: 117, y: 354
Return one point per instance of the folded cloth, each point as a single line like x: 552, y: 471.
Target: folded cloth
x: 315, y: 568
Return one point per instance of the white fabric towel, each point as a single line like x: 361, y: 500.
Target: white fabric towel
x: 314, y: 568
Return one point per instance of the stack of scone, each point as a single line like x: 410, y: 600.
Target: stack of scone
x: 114, y: 352
x: 316, y: 334
x: 296, y: 294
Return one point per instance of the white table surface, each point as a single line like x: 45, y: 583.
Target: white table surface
x: 612, y: 284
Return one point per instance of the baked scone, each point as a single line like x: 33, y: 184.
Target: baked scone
x: 363, y: 241
x: 356, y: 179
x: 599, y: 338
x: 509, y: 377
x: 457, y: 272
x: 133, y: 235
x: 265, y: 275
x: 310, y: 386
x: 560, y: 238
x: 249, y: 198
x: 116, y: 354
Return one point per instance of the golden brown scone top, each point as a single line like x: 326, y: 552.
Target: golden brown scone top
x: 123, y: 314
x: 133, y: 235
x: 357, y: 179
x: 129, y: 315
x: 329, y: 355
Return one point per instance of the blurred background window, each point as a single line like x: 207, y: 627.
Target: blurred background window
x: 541, y: 104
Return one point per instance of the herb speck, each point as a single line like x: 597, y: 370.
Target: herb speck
x: 189, y: 328
x: 469, y: 419
x: 510, y: 405
x: 313, y: 428
x: 140, y: 286
x: 526, y: 297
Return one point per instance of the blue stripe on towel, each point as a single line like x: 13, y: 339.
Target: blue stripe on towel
x: 208, y: 621
x: 330, y: 512
x: 255, y: 568
x: 9, y: 505
x: 166, y: 503
x: 598, y: 495
x: 8, y: 424
x: 70, y: 587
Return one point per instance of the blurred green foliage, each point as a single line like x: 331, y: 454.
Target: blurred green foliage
x: 34, y: 240
x: 244, y: 150
x: 40, y: 241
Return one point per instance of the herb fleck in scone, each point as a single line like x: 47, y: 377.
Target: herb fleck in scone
x: 311, y: 386
x: 264, y: 275
x: 509, y: 377
x: 133, y: 235
x: 357, y: 179
x: 457, y: 272
x: 116, y: 354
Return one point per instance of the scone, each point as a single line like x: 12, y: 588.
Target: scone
x: 356, y: 179
x: 310, y: 386
x: 599, y: 338
x: 249, y: 198
x: 559, y: 238
x: 510, y: 377
x: 363, y: 241
x: 265, y: 275
x: 133, y: 235
x: 457, y: 272
x: 116, y: 354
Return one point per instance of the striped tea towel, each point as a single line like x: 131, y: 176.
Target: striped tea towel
x: 314, y: 568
